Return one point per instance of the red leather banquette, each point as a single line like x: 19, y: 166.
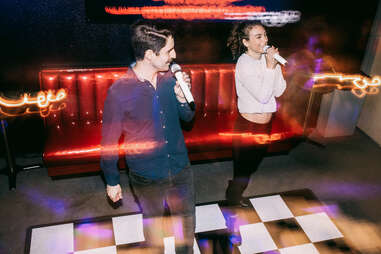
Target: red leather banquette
x: 73, y: 134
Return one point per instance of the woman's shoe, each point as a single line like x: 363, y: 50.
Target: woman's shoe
x: 244, y: 202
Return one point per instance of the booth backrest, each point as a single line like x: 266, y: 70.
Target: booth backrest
x: 87, y: 90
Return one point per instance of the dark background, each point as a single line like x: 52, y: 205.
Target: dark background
x: 47, y: 33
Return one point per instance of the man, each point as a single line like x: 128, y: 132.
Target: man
x: 145, y: 106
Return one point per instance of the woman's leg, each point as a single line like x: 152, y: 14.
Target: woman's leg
x: 246, y: 161
x: 247, y: 156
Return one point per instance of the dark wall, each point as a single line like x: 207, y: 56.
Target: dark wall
x: 48, y: 32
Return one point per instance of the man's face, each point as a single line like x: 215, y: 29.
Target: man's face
x: 166, y: 55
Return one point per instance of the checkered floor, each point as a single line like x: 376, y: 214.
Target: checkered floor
x: 286, y: 223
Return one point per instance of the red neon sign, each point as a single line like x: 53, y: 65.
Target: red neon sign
x: 44, y: 103
x: 198, y: 2
x: 192, y: 12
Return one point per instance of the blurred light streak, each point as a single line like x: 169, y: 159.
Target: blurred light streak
x: 332, y: 210
x: 42, y: 100
x: 44, y: 112
x: 350, y: 190
x: 184, y: 12
x: 44, y: 103
x: 208, y: 10
x: 310, y: 83
x: 360, y: 235
x: 258, y: 138
x: 269, y: 19
x: 45, y: 200
x: 359, y: 85
x: 93, y: 230
x: 129, y: 149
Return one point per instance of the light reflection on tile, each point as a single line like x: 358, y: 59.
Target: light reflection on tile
x: 52, y: 239
x: 128, y: 229
x: 104, y: 250
x: 300, y: 249
x: 271, y: 208
x: 318, y: 227
x: 255, y: 239
x: 208, y: 218
x: 93, y: 235
x: 169, y: 246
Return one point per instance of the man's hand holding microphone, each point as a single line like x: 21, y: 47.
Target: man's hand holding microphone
x: 178, y: 91
x: 183, y: 85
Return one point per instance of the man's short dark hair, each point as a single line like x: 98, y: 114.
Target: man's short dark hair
x: 147, y: 36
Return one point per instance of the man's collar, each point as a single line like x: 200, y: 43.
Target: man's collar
x: 132, y: 75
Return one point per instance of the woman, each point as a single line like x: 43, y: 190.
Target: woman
x: 258, y: 79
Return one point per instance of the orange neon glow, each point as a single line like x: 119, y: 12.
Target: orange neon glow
x: 42, y: 100
x: 184, y: 12
x: 258, y: 138
x: 359, y: 85
x: 44, y: 112
x: 89, y: 77
x: 129, y: 149
x: 111, y: 76
x: 45, y: 102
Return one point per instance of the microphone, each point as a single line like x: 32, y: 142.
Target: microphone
x: 277, y: 57
x: 176, y: 69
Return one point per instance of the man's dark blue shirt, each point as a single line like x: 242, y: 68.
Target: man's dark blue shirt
x: 149, y: 120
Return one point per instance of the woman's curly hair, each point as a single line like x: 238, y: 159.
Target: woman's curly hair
x: 239, y: 32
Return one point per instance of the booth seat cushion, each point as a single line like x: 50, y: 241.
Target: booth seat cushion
x: 75, y: 147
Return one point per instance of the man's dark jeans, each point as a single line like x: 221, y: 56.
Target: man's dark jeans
x: 178, y: 191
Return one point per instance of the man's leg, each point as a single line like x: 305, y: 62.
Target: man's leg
x: 181, y: 200
x: 151, y: 196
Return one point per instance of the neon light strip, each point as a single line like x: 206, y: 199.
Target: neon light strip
x: 132, y: 148
x: 42, y: 100
x: 142, y: 147
x: 259, y: 138
x: 268, y: 18
x: 376, y: 81
x: 198, y: 2
x: 360, y: 86
x: 44, y: 112
x: 184, y: 12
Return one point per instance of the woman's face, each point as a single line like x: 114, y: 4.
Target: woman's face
x: 257, y: 40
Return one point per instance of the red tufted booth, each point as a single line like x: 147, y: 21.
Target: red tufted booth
x: 73, y: 133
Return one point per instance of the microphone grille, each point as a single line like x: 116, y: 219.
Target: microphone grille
x: 175, y: 67
x: 265, y: 48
